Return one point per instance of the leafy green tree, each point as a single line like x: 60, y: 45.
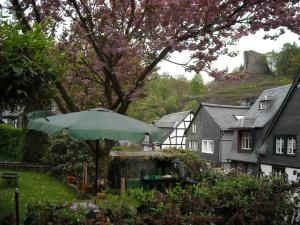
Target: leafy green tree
x: 165, y: 94
x: 287, y: 61
x: 197, y: 85
x: 25, y: 66
x: 26, y: 74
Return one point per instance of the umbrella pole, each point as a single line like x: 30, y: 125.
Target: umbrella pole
x: 97, y: 160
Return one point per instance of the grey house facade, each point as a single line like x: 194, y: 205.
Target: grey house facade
x: 281, y: 150
x: 14, y: 117
x: 250, y: 131
x: 173, y: 127
x: 209, y: 134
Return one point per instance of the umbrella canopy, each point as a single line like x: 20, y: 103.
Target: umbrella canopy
x: 94, y: 124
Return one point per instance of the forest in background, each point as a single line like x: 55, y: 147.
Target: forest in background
x: 167, y: 94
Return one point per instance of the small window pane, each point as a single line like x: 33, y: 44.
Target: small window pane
x: 262, y: 105
x: 194, y: 128
x: 279, y: 145
x: 278, y: 171
x: 291, y: 145
x: 208, y: 146
x: 211, y: 146
x: 246, y: 141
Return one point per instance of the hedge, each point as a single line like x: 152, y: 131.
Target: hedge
x: 10, y: 143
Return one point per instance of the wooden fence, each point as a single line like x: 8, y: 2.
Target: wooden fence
x: 24, y: 166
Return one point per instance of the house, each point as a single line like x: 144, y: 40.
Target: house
x: 173, y: 127
x: 209, y: 132
x: 280, y: 152
x: 14, y: 117
x: 249, y: 131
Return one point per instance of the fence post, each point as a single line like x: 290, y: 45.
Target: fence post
x: 17, y: 206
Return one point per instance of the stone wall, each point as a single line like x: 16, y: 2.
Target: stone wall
x: 255, y: 63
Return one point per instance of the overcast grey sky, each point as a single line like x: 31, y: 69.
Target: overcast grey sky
x: 252, y: 42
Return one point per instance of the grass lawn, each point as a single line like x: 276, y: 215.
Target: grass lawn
x: 34, y: 188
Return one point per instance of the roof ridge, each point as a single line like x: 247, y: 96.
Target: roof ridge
x: 177, y: 113
x: 225, y: 106
x: 271, y: 89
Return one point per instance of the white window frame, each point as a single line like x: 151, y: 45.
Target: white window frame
x: 246, y: 141
x: 291, y: 145
x: 279, y: 145
x: 194, y: 145
x: 262, y: 105
x: 194, y: 128
x: 205, y: 146
x: 187, y: 144
x: 278, y: 171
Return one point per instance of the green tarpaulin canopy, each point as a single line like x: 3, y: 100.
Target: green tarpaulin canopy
x: 94, y: 124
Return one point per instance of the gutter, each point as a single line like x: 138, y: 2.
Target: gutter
x: 220, y: 145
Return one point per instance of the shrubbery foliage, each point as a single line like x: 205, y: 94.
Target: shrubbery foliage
x: 66, y: 157
x: 34, y: 146
x: 218, y: 198
x: 10, y: 143
x: 237, y: 200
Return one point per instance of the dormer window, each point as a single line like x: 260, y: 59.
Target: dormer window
x: 238, y: 117
x: 263, y: 105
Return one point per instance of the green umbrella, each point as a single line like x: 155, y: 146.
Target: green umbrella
x: 94, y: 124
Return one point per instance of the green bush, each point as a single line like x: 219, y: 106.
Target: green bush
x: 217, y: 199
x: 66, y: 157
x: 10, y: 143
x: 34, y: 146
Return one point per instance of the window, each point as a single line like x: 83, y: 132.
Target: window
x: 279, y: 145
x: 194, y: 145
x: 246, y: 141
x: 278, y: 171
x: 262, y: 105
x: 53, y: 108
x: 291, y: 146
x: 194, y: 128
x: 187, y: 144
x: 238, y: 117
x: 285, y: 145
x: 208, y: 146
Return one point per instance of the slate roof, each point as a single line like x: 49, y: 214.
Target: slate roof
x: 224, y: 115
x: 244, y: 157
x: 256, y: 118
x: 169, y: 122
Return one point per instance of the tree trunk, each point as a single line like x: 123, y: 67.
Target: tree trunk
x: 104, y: 161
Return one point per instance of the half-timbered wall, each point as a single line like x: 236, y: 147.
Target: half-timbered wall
x: 177, y: 137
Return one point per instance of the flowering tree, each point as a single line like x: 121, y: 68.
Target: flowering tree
x: 112, y: 46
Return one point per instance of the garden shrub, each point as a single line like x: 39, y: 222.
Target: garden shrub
x: 235, y: 200
x: 34, y: 146
x: 66, y: 158
x: 122, y: 209
x: 10, y: 143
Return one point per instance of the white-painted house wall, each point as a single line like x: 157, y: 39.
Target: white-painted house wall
x: 291, y: 172
x: 266, y: 169
x: 177, y: 138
